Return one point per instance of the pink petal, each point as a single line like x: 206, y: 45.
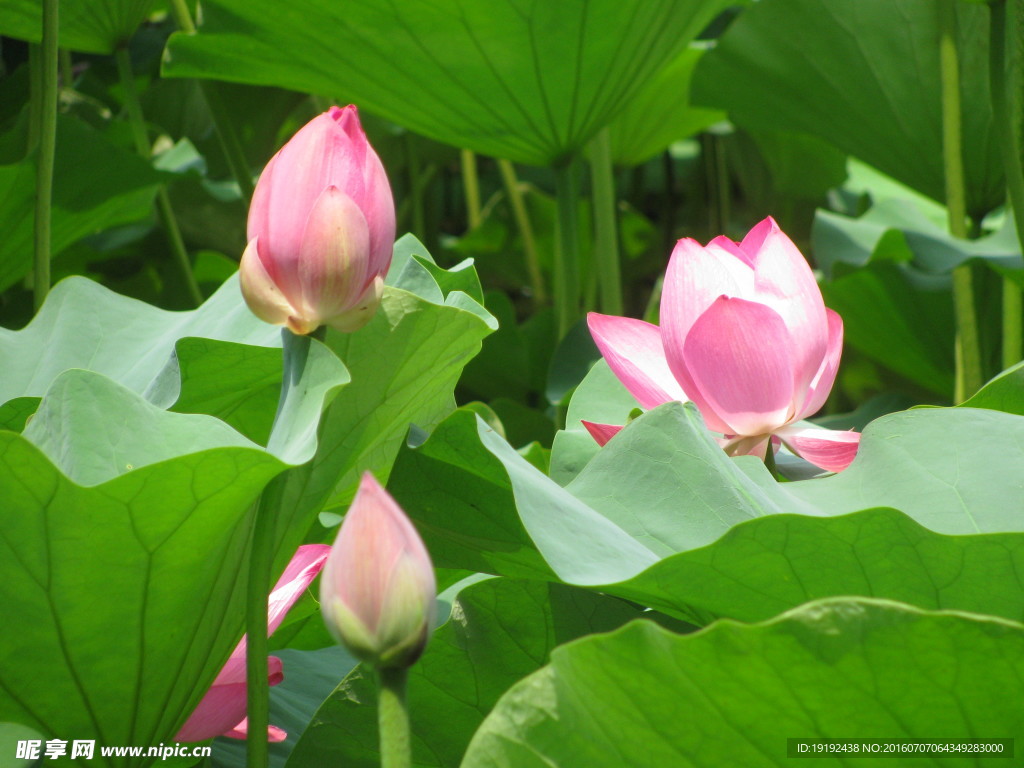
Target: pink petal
x: 261, y: 293
x: 821, y: 384
x: 634, y: 352
x: 241, y: 731
x: 602, y: 433
x: 727, y: 246
x: 299, y: 574
x: 826, y: 448
x: 783, y: 280
x: 695, y: 278
x: 335, y: 256
x: 224, y: 704
x: 739, y: 355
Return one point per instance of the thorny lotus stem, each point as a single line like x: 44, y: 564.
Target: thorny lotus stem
x: 1006, y: 111
x: 393, y: 720
x: 522, y: 219
x: 606, y: 233
x: 471, y: 187
x: 46, y: 112
x: 163, y: 202
x: 229, y: 142
x: 567, y: 254
x: 968, y: 355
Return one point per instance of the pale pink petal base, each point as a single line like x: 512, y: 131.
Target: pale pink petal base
x: 826, y: 448
x: 601, y: 433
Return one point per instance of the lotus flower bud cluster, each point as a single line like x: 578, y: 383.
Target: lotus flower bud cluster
x: 746, y: 336
x: 378, y: 589
x: 321, y: 229
x: 222, y: 711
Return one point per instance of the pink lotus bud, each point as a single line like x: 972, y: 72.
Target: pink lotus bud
x: 321, y: 229
x: 746, y: 336
x: 377, y: 591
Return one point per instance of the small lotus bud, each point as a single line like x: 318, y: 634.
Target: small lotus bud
x: 378, y: 589
x: 321, y: 229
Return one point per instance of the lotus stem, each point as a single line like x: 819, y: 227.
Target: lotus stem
x: 261, y: 558
x: 522, y: 219
x: 471, y: 187
x: 393, y: 719
x: 230, y: 144
x: 1005, y: 110
x: 606, y: 234
x: 567, y: 256
x: 45, y: 95
x: 968, y: 354
x: 163, y: 202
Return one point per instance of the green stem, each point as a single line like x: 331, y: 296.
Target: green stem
x: 471, y: 188
x: 35, y: 98
x: 393, y: 720
x: 522, y: 219
x: 230, y: 144
x: 163, y: 202
x: 47, y: 134
x: 968, y: 354
x: 412, y: 159
x: 606, y: 235
x: 295, y: 353
x: 1005, y: 107
x: 567, y: 256
x: 261, y: 559
x: 67, y: 74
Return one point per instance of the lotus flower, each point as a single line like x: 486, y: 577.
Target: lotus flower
x: 746, y: 336
x: 221, y: 712
x: 321, y: 229
x: 378, y: 589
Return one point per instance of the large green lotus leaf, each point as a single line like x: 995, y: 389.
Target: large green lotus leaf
x: 768, y: 565
x: 528, y: 81
x: 125, y: 531
x: 660, y: 112
x: 92, y: 26
x: 734, y: 693
x: 96, y: 185
x: 599, y: 398
x: 898, y: 316
x: 1004, y: 393
x: 310, y: 677
x: 662, y: 499
x: 501, y: 630
x: 84, y: 325
x: 839, y: 239
x: 863, y: 74
x: 396, y: 356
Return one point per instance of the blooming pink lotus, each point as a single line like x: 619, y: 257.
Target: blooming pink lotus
x: 321, y: 229
x: 378, y: 589
x: 746, y: 336
x: 221, y: 712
